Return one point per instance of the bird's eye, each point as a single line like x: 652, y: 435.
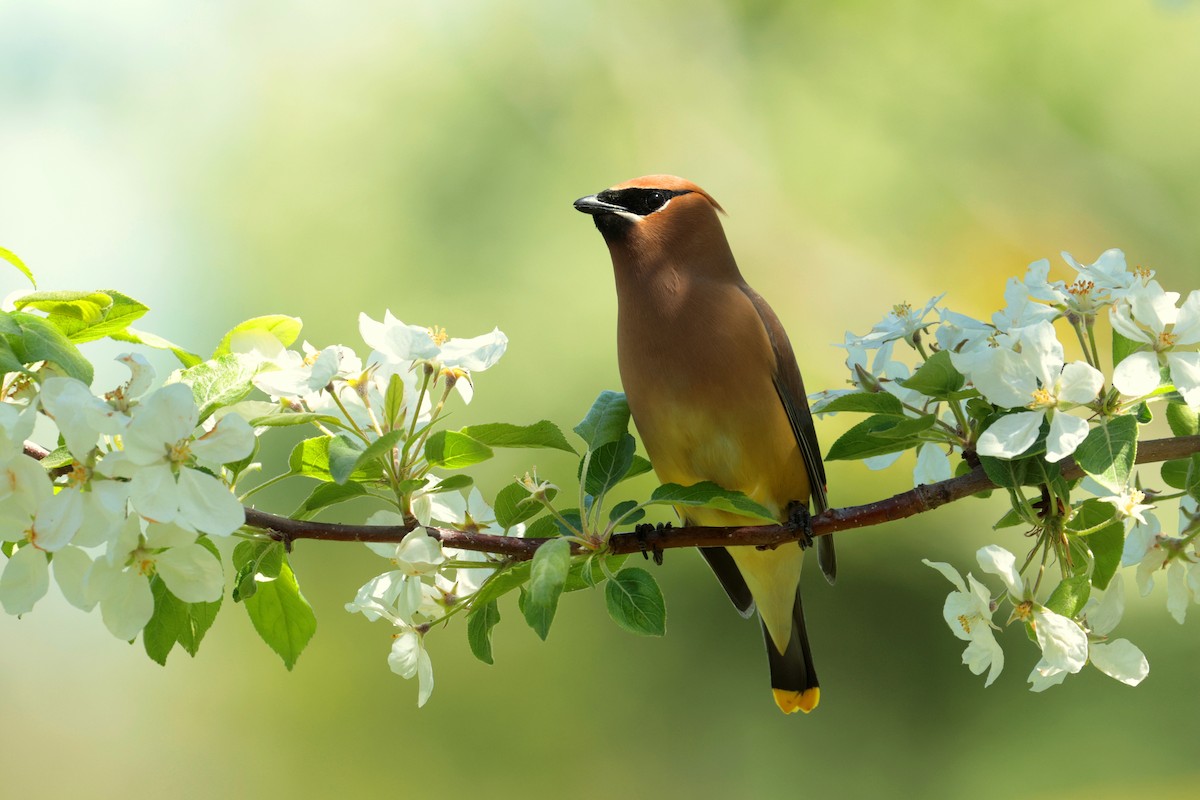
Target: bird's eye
x: 655, y: 201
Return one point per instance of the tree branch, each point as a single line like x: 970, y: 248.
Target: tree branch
x: 906, y: 504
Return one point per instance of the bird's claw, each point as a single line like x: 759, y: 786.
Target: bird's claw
x: 643, y: 531
x: 799, y: 518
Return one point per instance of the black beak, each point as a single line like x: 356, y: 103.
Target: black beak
x: 595, y: 206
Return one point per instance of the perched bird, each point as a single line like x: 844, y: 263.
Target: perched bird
x: 716, y: 395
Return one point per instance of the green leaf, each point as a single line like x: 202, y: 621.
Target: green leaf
x: 284, y: 418
x: 328, y: 494
x: 393, y: 401
x: 11, y: 258
x: 1010, y: 519
x: 175, y: 621
x: 255, y: 560
x: 620, y: 513
x: 1183, y: 421
x: 481, y: 619
x: 1108, y: 452
x: 606, y: 421
x: 640, y: 466
x: 376, y: 453
x: 544, y: 434
x: 39, y: 340
x: 1091, y: 515
x: 865, y: 402
x: 86, y: 316
x: 587, y: 573
x: 8, y: 359
x: 1106, y: 545
x: 284, y: 328
x: 511, y: 511
x: 608, y: 465
x: 936, y: 378
x: 220, y: 382
x: 311, y: 458
x: 1174, y: 473
x: 1191, y: 484
x: 1123, y: 347
x: 543, y: 528
x: 547, y: 573
x: 880, y: 434
x: 281, y: 615
x: 708, y: 495
x: 635, y: 602
x: 1069, y: 597
x: 187, y: 358
x: 454, y: 450
x: 1005, y: 473
x: 448, y: 484
x: 344, y: 455
x: 58, y: 457
x: 86, y: 307
x: 501, y: 582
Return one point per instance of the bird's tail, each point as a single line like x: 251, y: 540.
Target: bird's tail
x: 793, y: 678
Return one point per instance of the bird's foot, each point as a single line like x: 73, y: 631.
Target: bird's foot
x: 643, y: 531
x: 798, y: 517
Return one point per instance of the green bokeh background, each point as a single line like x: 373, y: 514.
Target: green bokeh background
x: 229, y: 159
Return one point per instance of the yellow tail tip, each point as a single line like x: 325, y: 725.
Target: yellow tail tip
x: 790, y: 702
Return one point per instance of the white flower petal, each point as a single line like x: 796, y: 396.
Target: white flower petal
x: 475, y: 354
x: 1002, y: 376
x: 1104, y: 614
x: 1064, y: 644
x: 950, y: 572
x: 1137, y: 375
x: 192, y: 573
x: 207, y: 505
x: 1010, y: 436
x: 58, y: 519
x: 231, y: 440
x: 1044, y: 676
x: 995, y: 560
x: 71, y: 566
x: 1179, y: 596
x: 127, y: 604
x: 1185, y: 374
x: 154, y: 493
x: 1079, y: 383
x: 932, y: 465
x: 1066, y: 434
x: 1121, y: 660
x: 984, y: 653
x: 25, y: 580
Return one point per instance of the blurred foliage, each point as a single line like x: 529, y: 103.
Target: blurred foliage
x: 231, y: 159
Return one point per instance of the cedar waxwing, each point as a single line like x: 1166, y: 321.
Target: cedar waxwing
x: 716, y: 395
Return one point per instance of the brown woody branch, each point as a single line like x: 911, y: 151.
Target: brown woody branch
x: 906, y: 504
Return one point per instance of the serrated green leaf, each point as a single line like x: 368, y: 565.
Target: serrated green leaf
x: 510, y: 508
x: 640, y: 466
x: 8, y: 359
x: 281, y: 615
x: 863, y: 402
x: 543, y: 434
x: 220, y: 382
x: 1106, y: 545
x: 86, y: 316
x: 708, y: 495
x: 1005, y: 473
x: 176, y: 621
x: 936, y: 378
x: 11, y: 258
x: 501, y: 582
x: 1108, y: 452
x: 619, y: 511
x: 39, y: 340
x: 328, y: 494
x: 481, y: 619
x: 83, y: 307
x: 588, y: 573
x: 608, y: 465
x: 636, y: 603
x: 186, y: 358
x: 606, y: 421
x: 543, y: 528
x: 279, y: 326
x: 344, y: 456
x: 1183, y: 420
x: 1010, y: 519
x: 1069, y: 597
x: 878, y: 435
x: 454, y: 450
x: 547, y: 574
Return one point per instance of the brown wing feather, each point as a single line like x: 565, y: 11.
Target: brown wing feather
x: 790, y: 388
